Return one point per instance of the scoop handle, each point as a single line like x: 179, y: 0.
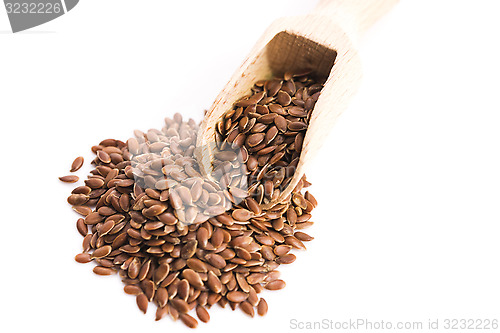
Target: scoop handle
x: 357, y: 16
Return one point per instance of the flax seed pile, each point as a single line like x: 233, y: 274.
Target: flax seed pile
x: 183, y: 241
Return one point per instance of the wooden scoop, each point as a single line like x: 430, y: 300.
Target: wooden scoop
x: 323, y: 42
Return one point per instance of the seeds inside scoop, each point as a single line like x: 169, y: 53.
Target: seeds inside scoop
x: 185, y: 242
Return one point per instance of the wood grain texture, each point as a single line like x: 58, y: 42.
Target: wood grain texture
x: 324, y: 42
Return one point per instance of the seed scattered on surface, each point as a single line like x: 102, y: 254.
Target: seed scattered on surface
x: 181, y: 305
x: 102, y: 251
x: 142, y: 302
x: 193, y: 278
x: 94, y: 183
x: 132, y: 289
x: 77, y: 199
x: 281, y: 250
x: 216, y: 260
x: 83, y: 258
x: 103, y: 156
x: 162, y: 296
x: 161, y: 312
x: 188, y: 320
x: 286, y: 259
x: 82, y: 190
x: 247, y: 308
x: 69, y: 179
x: 214, y: 283
x: 236, y: 296
x: 262, y: 307
x: 202, y: 314
x: 242, y: 215
x: 302, y: 236
x: 275, y: 285
x: 82, y: 210
x: 82, y: 227
x: 100, y: 270
x: 77, y: 164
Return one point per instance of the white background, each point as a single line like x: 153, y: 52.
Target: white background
x: 408, y: 182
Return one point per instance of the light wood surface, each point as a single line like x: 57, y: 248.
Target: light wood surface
x: 324, y: 42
